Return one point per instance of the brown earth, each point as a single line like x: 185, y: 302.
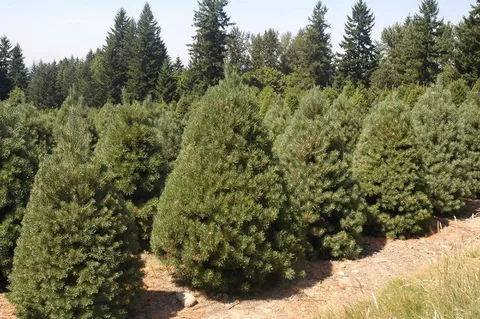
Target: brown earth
x: 327, y: 286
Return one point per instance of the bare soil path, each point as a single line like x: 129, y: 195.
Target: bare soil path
x: 327, y: 285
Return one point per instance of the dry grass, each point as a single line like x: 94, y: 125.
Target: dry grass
x: 448, y: 288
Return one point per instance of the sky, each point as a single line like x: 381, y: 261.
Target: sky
x: 53, y: 29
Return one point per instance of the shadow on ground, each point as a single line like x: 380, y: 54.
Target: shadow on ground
x: 158, y: 305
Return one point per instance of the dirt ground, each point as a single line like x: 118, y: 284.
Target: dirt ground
x: 327, y: 286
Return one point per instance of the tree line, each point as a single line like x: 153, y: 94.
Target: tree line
x: 257, y: 162
x: 134, y: 62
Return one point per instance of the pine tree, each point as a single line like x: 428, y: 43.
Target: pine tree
x: 320, y: 54
x: 222, y: 220
x: 312, y: 155
x: 209, y: 48
x: 147, y: 60
x: 277, y: 117
x: 138, y: 154
x: 468, y: 35
x: 112, y: 73
x: 18, y: 71
x: 439, y: 139
x: 358, y: 62
x: 5, y: 60
x: 178, y: 67
x: 388, y: 166
x: 67, y: 76
x: 77, y: 256
x: 18, y: 165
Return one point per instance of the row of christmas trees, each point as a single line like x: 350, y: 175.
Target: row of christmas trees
x: 231, y: 198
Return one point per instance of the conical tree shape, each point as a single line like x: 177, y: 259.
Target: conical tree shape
x: 18, y: 165
x: 389, y: 168
x: 77, y: 256
x: 312, y: 155
x: 439, y: 139
x: 359, y: 60
x: 222, y: 218
x: 18, y: 70
x: 320, y: 56
x: 148, y: 57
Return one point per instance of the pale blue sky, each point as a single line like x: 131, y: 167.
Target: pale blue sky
x: 53, y: 29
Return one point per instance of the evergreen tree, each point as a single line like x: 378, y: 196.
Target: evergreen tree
x: 439, y: 140
x: 5, y: 61
x: 147, y: 60
x: 87, y: 86
x: 166, y: 90
x: 430, y: 29
x: 265, y: 50
x: 312, y: 155
x: 178, y: 67
x: 44, y: 90
x: 112, y: 73
x: 18, y: 164
x: 18, y: 71
x: 138, y: 154
x: 78, y: 256
x: 320, y: 54
x: 389, y: 168
x: 222, y: 220
x: 209, y: 48
x: 277, y: 117
x: 238, y: 45
x: 468, y: 36
x: 358, y: 62
x: 67, y: 76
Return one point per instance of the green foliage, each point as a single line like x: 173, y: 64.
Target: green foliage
x: 349, y: 115
x: 324, y: 193
x: 18, y: 72
x: 18, y: 165
x: 78, y: 256
x: 469, y: 113
x: 439, y: 138
x: 263, y: 77
x: 459, y: 91
x: 112, y: 72
x: 265, y: 50
x: 410, y: 93
x: 148, y: 57
x: 138, y: 145
x: 44, y: 91
x: 167, y: 90
x: 277, y: 117
x: 265, y: 97
x: 5, y: 60
x: 389, y: 168
x: 209, y: 48
x: 359, y: 60
x: 468, y: 34
x: 319, y: 52
x: 222, y: 219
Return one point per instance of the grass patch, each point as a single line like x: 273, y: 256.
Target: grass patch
x: 449, y: 288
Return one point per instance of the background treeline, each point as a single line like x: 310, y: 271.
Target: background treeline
x: 265, y: 150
